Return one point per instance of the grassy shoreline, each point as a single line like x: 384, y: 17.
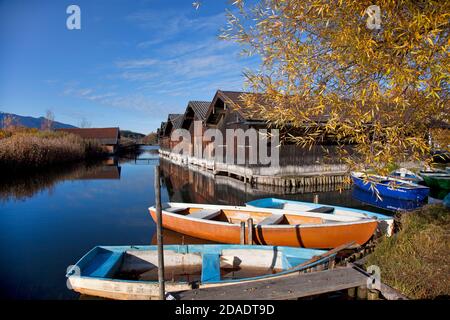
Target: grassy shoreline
x: 29, y: 149
x: 416, y: 260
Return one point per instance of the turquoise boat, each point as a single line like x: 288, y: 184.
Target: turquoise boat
x: 385, y: 224
x: 131, y: 272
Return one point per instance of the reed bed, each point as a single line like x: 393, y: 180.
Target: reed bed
x: 30, y: 149
x: 416, y: 261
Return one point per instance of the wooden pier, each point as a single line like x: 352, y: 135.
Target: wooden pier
x: 292, y: 287
x: 286, y: 176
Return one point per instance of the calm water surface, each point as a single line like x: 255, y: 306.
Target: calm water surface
x: 48, y: 221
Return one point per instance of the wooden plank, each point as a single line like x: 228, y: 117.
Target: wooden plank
x: 272, y: 219
x: 289, y: 287
x: 204, y: 214
x: 323, y: 209
x: 174, y: 209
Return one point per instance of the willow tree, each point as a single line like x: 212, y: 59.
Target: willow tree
x: 374, y: 74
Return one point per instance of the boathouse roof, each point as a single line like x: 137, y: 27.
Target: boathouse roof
x: 234, y: 99
x: 106, y: 136
x: 200, y: 108
x: 195, y: 109
x: 174, y: 121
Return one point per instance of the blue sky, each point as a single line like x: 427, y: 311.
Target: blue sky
x: 132, y: 62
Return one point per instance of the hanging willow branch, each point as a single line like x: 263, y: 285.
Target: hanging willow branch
x: 322, y: 67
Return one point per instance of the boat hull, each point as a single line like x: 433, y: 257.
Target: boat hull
x: 85, y: 278
x: 385, y: 223
x: 386, y: 203
x: 434, y: 181
x: 314, y: 236
x: 416, y: 194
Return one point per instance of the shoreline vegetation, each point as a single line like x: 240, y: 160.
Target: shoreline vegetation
x: 29, y: 149
x: 416, y: 260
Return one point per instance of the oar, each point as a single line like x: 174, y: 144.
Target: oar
x: 322, y: 256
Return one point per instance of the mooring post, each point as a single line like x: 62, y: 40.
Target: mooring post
x: 242, y: 232
x: 250, y: 231
x: 361, y: 292
x: 351, y: 293
x: 316, y: 198
x: 159, y: 237
x: 373, y: 294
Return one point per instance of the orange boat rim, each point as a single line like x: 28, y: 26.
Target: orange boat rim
x: 222, y: 224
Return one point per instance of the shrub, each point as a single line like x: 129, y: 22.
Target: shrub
x: 32, y: 148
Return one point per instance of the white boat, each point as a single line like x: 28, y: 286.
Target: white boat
x: 131, y: 272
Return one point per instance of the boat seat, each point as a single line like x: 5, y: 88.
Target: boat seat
x: 105, y: 264
x: 210, y: 267
x: 272, y: 219
x: 323, y: 209
x: 204, y: 214
x: 174, y: 209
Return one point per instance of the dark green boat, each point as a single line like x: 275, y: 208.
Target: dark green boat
x: 436, y: 179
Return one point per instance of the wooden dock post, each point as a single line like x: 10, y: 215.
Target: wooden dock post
x: 316, y: 198
x: 159, y: 237
x: 242, y: 232
x: 351, y: 292
x: 250, y: 231
x: 361, y: 292
x: 373, y: 294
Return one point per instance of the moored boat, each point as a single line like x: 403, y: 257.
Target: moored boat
x: 385, y: 203
x: 385, y: 223
x: 307, y: 229
x: 131, y: 272
x: 406, y: 175
x: 390, y: 187
x: 436, y: 179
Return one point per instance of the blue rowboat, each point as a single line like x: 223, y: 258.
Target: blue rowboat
x: 385, y: 223
x: 131, y: 272
x: 390, y: 187
x: 385, y: 203
x: 406, y: 175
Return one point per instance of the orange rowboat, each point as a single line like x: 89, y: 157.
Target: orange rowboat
x: 271, y: 226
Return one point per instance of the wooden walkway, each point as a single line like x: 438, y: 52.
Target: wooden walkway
x: 283, y: 288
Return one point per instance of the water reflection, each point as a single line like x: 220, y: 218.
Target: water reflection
x: 50, y: 219
x: 195, y: 186
x: 64, y: 212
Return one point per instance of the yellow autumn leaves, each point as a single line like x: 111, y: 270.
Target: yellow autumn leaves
x: 381, y: 90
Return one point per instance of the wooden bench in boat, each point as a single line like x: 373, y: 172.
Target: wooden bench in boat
x: 323, y: 209
x: 204, y: 214
x: 174, y: 209
x: 272, y: 219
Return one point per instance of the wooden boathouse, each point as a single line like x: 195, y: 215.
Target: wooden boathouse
x: 109, y: 138
x: 297, y: 166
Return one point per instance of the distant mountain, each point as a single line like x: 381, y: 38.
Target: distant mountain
x: 131, y: 135
x: 32, y: 122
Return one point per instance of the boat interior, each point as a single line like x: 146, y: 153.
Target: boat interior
x: 319, y: 215
x: 187, y: 265
x: 392, y: 182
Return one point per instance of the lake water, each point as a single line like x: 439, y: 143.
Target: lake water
x: 49, y: 220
